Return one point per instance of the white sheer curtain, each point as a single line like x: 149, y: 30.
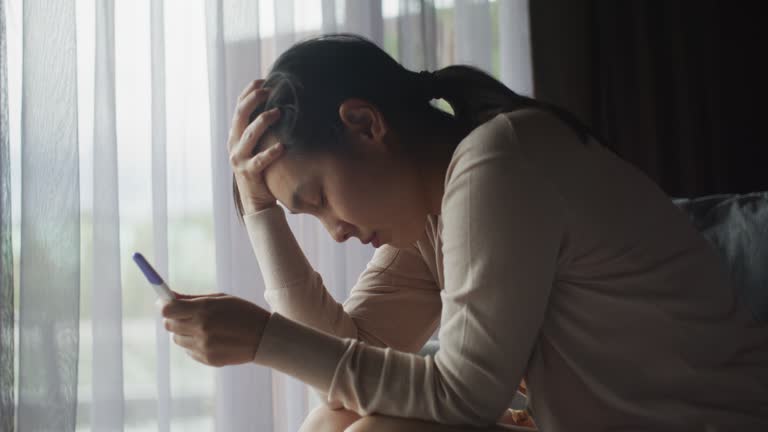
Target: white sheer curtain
x: 114, y: 120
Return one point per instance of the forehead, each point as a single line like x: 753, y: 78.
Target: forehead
x: 291, y: 173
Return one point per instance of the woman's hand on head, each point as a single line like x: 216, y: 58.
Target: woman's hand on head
x: 216, y: 329
x: 243, y: 138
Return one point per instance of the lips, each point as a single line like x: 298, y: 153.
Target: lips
x: 375, y: 240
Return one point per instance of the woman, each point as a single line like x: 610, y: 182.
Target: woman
x: 540, y: 255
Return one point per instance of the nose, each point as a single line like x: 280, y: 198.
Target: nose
x: 339, y: 230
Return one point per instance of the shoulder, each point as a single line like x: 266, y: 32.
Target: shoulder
x: 494, y: 133
x: 502, y: 160
x: 528, y: 134
x: 493, y: 139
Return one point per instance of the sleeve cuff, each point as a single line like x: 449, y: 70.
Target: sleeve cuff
x: 265, y: 211
x: 278, y: 253
x: 303, y: 352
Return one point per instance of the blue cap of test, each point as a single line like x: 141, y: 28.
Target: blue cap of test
x: 149, y: 272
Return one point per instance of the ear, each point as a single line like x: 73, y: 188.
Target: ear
x: 364, y: 119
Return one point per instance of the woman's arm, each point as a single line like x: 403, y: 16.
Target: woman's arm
x: 503, y: 225
x: 395, y: 302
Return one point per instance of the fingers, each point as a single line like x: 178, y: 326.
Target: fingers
x: 249, y: 88
x: 252, y: 134
x: 186, y: 306
x: 262, y: 160
x: 194, y: 296
x: 185, y: 327
x: 196, y: 356
x: 188, y: 342
x: 180, y: 308
x: 243, y: 111
x: 195, y: 349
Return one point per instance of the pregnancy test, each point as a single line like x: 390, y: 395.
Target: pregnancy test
x: 157, y: 282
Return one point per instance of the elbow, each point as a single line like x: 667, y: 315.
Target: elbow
x: 479, y: 411
x: 476, y: 402
x: 473, y: 384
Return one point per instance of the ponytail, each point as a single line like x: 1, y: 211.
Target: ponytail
x: 311, y: 79
x: 477, y: 97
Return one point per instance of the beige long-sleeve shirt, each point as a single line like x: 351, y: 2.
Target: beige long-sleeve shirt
x: 550, y: 260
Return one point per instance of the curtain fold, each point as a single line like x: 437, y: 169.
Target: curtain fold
x: 50, y: 212
x: 515, y: 46
x: 7, y: 315
x: 328, y: 8
x: 417, y: 31
x: 473, y: 33
x: 143, y: 154
x: 365, y: 18
x: 160, y: 203
x: 107, y: 370
x: 285, y: 30
x: 244, y: 393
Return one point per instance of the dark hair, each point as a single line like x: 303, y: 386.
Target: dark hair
x: 310, y: 80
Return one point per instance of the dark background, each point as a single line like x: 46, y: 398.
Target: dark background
x: 674, y: 87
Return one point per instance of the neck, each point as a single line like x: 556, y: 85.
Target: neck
x: 433, y: 181
x: 439, y: 144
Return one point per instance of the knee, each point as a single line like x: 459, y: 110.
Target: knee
x: 371, y: 423
x: 324, y: 419
x: 363, y: 424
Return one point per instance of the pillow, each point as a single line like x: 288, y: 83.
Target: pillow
x: 737, y: 225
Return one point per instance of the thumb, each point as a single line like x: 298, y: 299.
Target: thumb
x: 194, y: 296
x: 159, y: 303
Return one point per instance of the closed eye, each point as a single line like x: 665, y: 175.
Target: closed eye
x: 320, y: 206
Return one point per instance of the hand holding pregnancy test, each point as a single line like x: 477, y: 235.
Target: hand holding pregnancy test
x: 215, y: 329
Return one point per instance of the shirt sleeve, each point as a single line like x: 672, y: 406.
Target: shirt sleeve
x: 503, y: 224
x: 396, y: 302
x: 396, y: 282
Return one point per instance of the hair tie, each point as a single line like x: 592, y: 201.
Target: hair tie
x: 429, y: 84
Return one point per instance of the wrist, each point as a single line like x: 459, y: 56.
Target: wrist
x: 263, y: 317
x: 255, y: 208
